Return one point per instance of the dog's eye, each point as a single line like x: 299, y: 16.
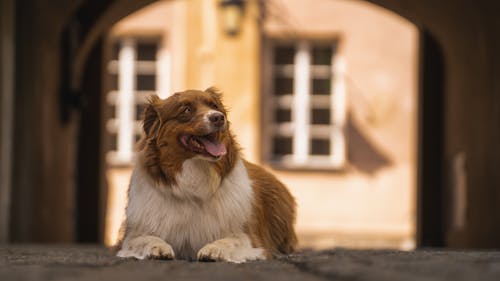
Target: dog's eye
x: 213, y: 105
x: 187, y: 109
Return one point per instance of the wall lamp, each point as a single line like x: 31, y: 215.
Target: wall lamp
x: 232, y: 15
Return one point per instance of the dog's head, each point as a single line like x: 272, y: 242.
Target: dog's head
x: 188, y: 124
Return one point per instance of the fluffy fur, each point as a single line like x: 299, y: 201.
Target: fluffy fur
x: 192, y: 196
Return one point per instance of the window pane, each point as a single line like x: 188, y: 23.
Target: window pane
x: 320, y: 116
x: 283, y: 86
x: 321, y: 86
x: 322, y: 55
x: 284, y: 55
x: 115, y: 50
x: 320, y: 147
x: 113, y: 82
x: 282, y: 145
x: 111, y: 112
x: 113, y: 142
x: 146, y: 51
x: 283, y: 115
x: 146, y: 82
x: 137, y: 137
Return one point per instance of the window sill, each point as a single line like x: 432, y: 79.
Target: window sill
x: 316, y: 163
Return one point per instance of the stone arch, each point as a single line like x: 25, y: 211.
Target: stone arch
x: 103, y: 22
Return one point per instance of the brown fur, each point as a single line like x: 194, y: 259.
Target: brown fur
x: 273, y: 215
x: 271, y: 226
x: 163, y: 119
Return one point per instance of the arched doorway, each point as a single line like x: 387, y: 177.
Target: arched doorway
x: 89, y: 223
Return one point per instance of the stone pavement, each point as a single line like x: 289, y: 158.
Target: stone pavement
x: 89, y: 262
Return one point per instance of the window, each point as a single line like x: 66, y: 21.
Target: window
x: 138, y: 69
x: 306, y: 112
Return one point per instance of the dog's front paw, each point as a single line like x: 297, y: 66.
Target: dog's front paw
x: 213, y: 252
x: 235, y: 249
x: 161, y: 252
x: 146, y: 247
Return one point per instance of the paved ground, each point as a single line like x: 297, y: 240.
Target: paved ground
x: 36, y: 262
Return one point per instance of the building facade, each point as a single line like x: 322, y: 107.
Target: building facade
x: 323, y: 95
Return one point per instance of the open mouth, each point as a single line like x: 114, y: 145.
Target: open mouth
x: 208, y: 145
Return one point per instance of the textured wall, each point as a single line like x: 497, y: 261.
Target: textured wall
x: 42, y: 208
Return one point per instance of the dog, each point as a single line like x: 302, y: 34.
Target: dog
x: 192, y: 195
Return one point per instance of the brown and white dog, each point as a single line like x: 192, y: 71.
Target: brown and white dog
x: 192, y: 196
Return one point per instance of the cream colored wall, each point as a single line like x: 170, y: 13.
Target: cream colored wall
x: 349, y: 208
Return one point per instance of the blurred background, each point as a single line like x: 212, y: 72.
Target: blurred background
x: 382, y: 117
x: 323, y: 94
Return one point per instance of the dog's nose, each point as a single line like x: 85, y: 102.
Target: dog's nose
x: 217, y: 119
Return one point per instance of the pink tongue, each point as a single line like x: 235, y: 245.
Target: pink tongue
x: 215, y: 149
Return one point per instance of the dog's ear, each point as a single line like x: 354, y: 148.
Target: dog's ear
x: 217, y: 95
x: 215, y: 92
x: 150, y: 114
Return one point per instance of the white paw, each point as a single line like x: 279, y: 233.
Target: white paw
x: 212, y: 252
x: 146, y: 247
x: 232, y: 249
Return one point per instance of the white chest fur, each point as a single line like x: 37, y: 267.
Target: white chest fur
x: 200, y: 209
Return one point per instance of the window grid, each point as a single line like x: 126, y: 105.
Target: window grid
x: 140, y: 68
x: 317, y: 105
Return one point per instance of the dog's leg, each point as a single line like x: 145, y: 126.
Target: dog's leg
x: 236, y: 248
x: 142, y: 247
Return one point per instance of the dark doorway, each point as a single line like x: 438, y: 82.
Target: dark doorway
x: 430, y: 213
x: 89, y: 166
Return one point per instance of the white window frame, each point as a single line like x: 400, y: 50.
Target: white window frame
x: 126, y: 97
x: 301, y: 102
